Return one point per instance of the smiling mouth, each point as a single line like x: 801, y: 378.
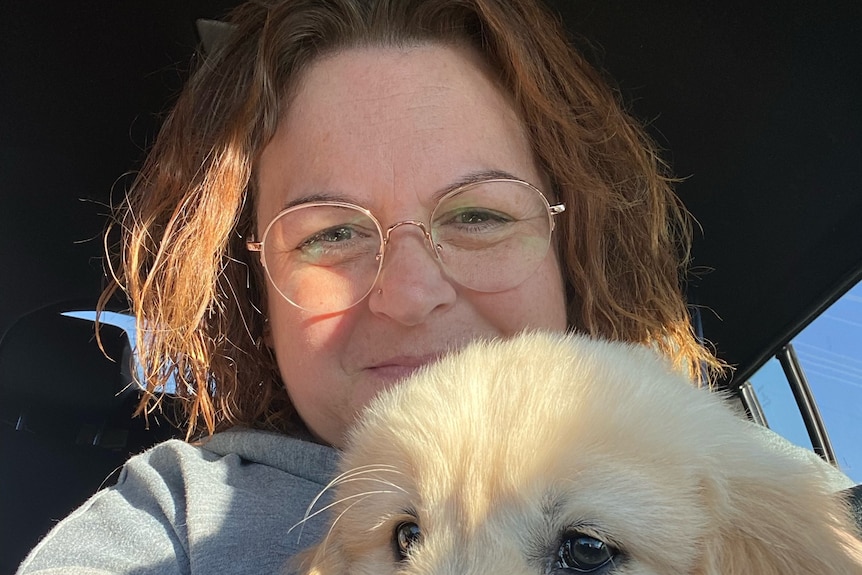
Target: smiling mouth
x: 398, y: 369
x: 393, y: 372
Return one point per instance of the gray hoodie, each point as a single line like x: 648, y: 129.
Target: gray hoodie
x: 226, y: 507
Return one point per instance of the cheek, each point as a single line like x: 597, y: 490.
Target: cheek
x: 304, y: 349
x: 538, y: 303
x: 309, y: 353
x: 553, y: 296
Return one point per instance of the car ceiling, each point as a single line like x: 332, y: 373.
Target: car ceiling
x: 757, y: 105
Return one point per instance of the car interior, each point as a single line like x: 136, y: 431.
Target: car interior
x: 755, y: 104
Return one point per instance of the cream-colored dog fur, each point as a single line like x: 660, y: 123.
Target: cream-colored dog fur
x: 542, y: 453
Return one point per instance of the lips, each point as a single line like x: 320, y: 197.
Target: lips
x: 401, y: 367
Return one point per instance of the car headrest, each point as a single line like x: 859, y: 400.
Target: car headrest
x: 47, y: 359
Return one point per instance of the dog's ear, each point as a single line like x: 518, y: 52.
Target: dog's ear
x: 780, y: 525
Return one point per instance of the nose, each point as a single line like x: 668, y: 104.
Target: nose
x: 411, y: 284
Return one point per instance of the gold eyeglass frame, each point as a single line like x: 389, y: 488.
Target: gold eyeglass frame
x: 253, y: 245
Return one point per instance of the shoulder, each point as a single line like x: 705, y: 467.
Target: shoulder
x: 230, y: 504
x: 246, y: 477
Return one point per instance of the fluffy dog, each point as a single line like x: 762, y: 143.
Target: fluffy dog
x: 561, y: 455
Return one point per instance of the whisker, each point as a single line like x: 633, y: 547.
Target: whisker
x: 353, y: 474
x: 365, y: 469
x: 334, y: 503
x: 335, y: 521
x: 350, y: 473
x: 374, y: 480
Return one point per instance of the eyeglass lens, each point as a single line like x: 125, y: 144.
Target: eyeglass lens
x: 488, y: 237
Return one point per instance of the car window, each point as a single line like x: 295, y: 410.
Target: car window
x: 829, y: 352
x: 125, y: 322
x: 780, y: 410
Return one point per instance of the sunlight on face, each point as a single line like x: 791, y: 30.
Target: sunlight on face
x: 391, y: 129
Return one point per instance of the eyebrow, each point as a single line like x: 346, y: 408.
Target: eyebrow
x: 318, y: 197
x: 470, y: 178
x: 473, y: 177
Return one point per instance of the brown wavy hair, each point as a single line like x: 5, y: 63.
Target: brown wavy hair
x: 182, y: 262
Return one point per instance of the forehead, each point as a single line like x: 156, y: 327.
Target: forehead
x: 379, y: 125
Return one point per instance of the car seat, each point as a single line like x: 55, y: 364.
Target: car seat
x: 65, y: 422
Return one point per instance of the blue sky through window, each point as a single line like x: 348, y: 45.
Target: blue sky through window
x: 830, y: 352
x: 127, y: 324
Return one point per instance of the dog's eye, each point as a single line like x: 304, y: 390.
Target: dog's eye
x: 583, y: 553
x: 406, y: 535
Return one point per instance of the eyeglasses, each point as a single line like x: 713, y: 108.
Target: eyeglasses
x: 488, y: 236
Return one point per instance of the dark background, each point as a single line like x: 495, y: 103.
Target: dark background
x: 758, y: 105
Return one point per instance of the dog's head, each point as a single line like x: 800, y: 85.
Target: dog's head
x: 563, y: 455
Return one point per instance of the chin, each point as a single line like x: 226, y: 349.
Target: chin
x: 562, y: 455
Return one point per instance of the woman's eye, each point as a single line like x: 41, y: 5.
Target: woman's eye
x: 407, y: 534
x: 474, y: 215
x: 581, y: 553
x: 338, y: 245
x: 330, y: 235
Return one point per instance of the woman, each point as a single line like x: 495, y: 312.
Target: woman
x: 492, y: 166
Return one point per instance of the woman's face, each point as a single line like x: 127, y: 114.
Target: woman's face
x: 387, y: 129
